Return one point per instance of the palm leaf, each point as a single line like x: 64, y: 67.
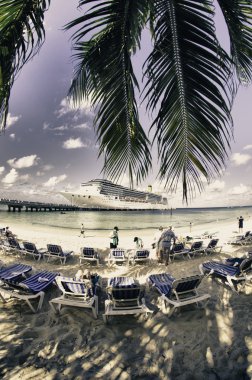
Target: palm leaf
x: 188, y: 76
x: 238, y: 16
x: 21, y: 35
x: 104, y: 72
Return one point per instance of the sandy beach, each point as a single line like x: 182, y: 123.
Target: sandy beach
x: 214, y: 342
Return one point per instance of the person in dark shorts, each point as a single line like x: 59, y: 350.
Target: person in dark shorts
x: 240, y: 224
x: 167, y: 239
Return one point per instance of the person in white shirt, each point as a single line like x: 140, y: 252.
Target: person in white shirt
x: 114, y: 238
x: 155, y: 241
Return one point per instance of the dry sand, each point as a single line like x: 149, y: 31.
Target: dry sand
x: 210, y: 343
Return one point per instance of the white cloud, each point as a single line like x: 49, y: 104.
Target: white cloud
x: 40, y: 174
x: 74, y: 143
x: 44, y: 168
x: 239, y: 190
x: 11, y: 120
x: 68, y: 106
x: 61, y: 128
x: 24, y: 162
x: 45, y: 126
x: 247, y: 147
x: 47, y: 167
x: 53, y: 181
x: 2, y: 169
x: 82, y: 126
x: 11, y: 177
x: 216, y: 186
x: 14, y: 177
x: 12, y: 136
x: 240, y: 159
x: 24, y: 177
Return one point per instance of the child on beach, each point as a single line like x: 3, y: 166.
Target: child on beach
x: 82, y: 231
x: 138, y: 242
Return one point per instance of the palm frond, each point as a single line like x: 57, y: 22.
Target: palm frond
x: 104, y: 72
x: 21, y: 35
x: 238, y: 17
x: 188, y: 75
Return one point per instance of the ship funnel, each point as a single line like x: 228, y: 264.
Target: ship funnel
x: 149, y: 188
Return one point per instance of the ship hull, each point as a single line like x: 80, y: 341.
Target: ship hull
x: 105, y: 203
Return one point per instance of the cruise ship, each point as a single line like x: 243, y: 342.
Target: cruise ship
x: 102, y: 194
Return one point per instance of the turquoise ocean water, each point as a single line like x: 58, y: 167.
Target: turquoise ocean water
x: 125, y: 220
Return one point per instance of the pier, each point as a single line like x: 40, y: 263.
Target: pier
x: 15, y: 205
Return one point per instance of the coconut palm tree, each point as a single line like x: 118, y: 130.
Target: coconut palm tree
x: 189, y: 79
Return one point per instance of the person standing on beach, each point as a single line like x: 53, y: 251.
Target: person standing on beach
x: 114, y: 238
x: 240, y: 224
x: 165, y: 243
x: 82, y: 230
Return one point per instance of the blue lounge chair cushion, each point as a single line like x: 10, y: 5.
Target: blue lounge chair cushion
x: 124, y: 288
x: 122, y: 282
x: 14, y: 272
x: 142, y: 254
x: 39, y: 281
x: 57, y: 250
x: 13, y: 243
x: 213, y: 243
x: 178, y: 248
x: 117, y: 253
x: 77, y: 287
x: 30, y: 247
x: 221, y: 269
x: 234, y: 261
x: 90, y: 252
x: 163, y: 282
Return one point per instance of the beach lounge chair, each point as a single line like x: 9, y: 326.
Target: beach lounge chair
x: 178, y: 250
x: 212, y: 247
x: 236, y: 261
x: 196, y: 248
x: 55, y: 251
x: 242, y: 239
x: 11, y: 245
x: 232, y: 273
x: 124, y: 297
x: 88, y: 254
x: 178, y: 292
x: 76, y: 293
x: 31, y: 249
x: 140, y: 256
x: 14, y: 272
x: 117, y: 256
x: 32, y: 288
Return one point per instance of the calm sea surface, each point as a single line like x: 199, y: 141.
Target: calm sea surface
x: 125, y: 220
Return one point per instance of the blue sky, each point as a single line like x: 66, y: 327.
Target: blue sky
x: 49, y: 146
